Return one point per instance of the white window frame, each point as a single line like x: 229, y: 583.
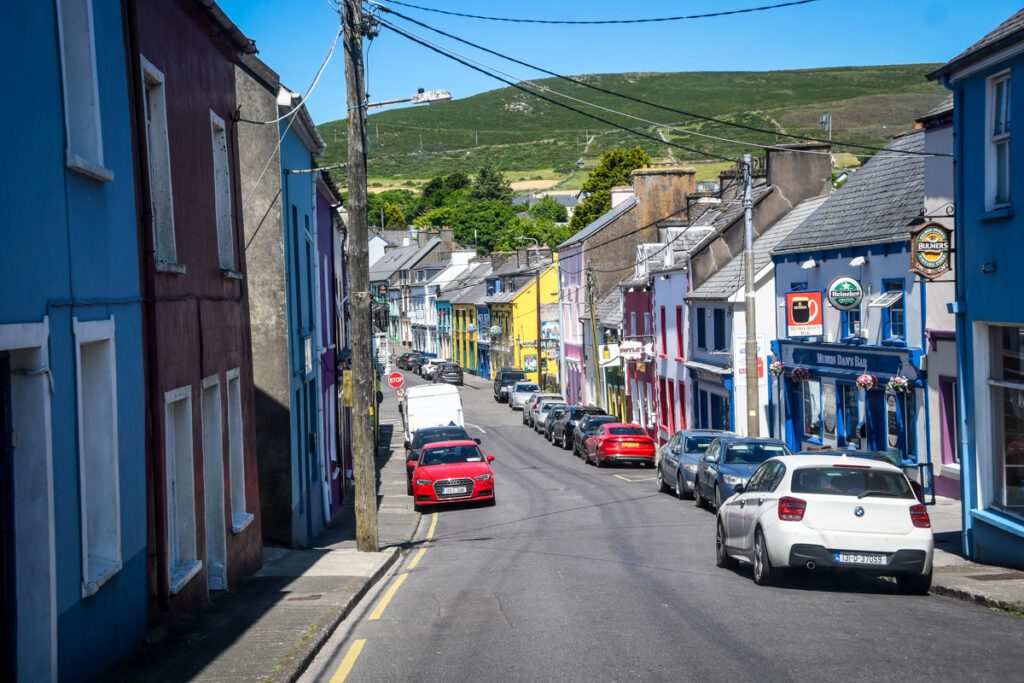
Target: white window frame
x: 222, y: 192
x: 241, y: 518
x: 100, y: 560
x: 80, y: 84
x: 986, y: 409
x: 158, y: 152
x: 215, y: 528
x: 993, y: 140
x: 183, y: 559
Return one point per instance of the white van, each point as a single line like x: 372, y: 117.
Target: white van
x: 433, y: 405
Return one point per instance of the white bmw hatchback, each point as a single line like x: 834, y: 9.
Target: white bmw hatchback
x: 828, y: 513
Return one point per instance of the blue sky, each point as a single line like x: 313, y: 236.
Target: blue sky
x: 293, y: 37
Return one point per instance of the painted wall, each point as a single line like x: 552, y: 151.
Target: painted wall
x: 669, y: 289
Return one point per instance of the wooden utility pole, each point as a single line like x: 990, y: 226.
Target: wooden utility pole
x: 593, y: 336
x: 364, y: 400
x: 753, y: 381
x: 540, y: 363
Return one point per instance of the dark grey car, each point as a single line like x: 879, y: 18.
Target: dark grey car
x: 562, y: 430
x: 679, y: 459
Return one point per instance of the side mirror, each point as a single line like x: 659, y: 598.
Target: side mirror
x: 710, y: 459
x: 407, y: 444
x: 411, y: 464
x: 477, y: 441
x: 739, y: 488
x: 490, y: 458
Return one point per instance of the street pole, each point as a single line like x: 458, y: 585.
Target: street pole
x: 364, y: 402
x: 540, y: 366
x: 752, y: 380
x: 593, y: 335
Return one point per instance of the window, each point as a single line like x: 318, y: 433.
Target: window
x: 664, y: 402
x: 1007, y: 386
x: 721, y: 340
x: 632, y: 323
x: 850, y: 323
x: 647, y: 325
x: 213, y: 483
x: 702, y: 329
x: 240, y: 515
x: 682, y: 405
x: 894, y: 323
x: 181, y: 505
x: 98, y: 460
x: 851, y: 415
x: 159, y: 153
x: 798, y: 286
x: 81, y: 89
x: 671, y: 405
x: 679, y: 332
x: 829, y: 417
x: 222, y: 193
x: 812, y: 408
x: 999, y: 141
x: 664, y: 333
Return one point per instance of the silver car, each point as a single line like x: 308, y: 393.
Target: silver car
x: 520, y: 392
x: 541, y: 413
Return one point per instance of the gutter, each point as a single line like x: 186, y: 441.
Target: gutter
x: 227, y: 27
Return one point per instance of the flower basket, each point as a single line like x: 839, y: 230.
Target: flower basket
x: 800, y: 374
x: 776, y: 368
x: 899, y: 385
x: 867, y: 382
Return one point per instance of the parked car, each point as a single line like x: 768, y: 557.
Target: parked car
x: 554, y: 415
x: 679, y: 459
x: 452, y: 472
x: 415, y: 362
x: 404, y: 361
x: 533, y: 402
x: 504, y: 380
x: 619, y: 442
x: 425, y: 436
x: 520, y: 392
x: 894, y: 458
x: 562, y: 430
x: 823, y: 512
x: 731, y: 460
x: 427, y: 368
x: 585, y: 428
x: 540, y: 413
x: 449, y: 373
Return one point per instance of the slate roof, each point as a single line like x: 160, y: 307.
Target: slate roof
x: 600, y: 223
x: 943, y: 107
x: 1007, y: 33
x: 393, y: 237
x: 420, y: 253
x: 724, y: 283
x: 467, y: 292
x: 609, y: 307
x: 389, y: 264
x: 876, y: 205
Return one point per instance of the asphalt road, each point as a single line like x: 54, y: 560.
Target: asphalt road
x: 586, y: 574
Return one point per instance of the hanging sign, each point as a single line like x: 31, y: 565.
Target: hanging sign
x: 631, y: 350
x: 931, y: 246
x: 845, y: 294
x: 804, y: 314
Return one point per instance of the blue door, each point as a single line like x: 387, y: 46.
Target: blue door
x: 7, y: 587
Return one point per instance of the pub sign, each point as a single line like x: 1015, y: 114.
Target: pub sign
x: 931, y: 248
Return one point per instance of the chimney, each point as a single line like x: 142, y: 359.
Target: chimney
x: 801, y: 171
x: 620, y: 194
x: 661, y: 192
x: 447, y: 239
x: 423, y: 236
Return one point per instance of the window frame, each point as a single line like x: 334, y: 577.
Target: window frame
x: 995, y: 139
x: 223, y: 194
x: 679, y: 334
x: 241, y: 518
x: 887, y: 333
x: 183, y: 562
x: 664, y: 333
x: 158, y: 156
x: 702, y: 328
x: 810, y: 436
x: 849, y: 318
x: 719, y: 323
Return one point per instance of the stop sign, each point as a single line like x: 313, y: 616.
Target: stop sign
x: 396, y: 380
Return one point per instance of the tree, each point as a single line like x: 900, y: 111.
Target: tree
x: 490, y: 183
x: 394, y: 217
x: 613, y: 168
x: 437, y: 190
x: 435, y: 218
x: 549, y: 208
x: 481, y: 223
x: 403, y: 207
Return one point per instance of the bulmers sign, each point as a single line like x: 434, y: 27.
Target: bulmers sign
x: 931, y: 246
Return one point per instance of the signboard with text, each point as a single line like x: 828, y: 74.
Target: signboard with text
x: 804, y: 314
x: 930, y: 248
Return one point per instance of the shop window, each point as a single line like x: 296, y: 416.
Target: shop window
x: 1007, y: 387
x: 998, y: 152
x: 850, y: 433
x: 702, y: 330
x: 812, y: 408
x: 721, y: 339
x: 891, y: 301
x: 850, y: 323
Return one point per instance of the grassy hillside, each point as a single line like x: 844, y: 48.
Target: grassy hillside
x: 537, y: 140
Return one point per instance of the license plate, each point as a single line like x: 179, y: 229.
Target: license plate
x: 860, y: 558
x: 453, y: 490
x: 504, y: 390
x: 631, y: 444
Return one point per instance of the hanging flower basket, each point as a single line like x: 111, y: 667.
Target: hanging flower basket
x: 800, y: 374
x: 776, y: 368
x: 867, y: 382
x: 899, y: 385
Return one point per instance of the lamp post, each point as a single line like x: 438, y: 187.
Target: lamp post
x: 536, y: 286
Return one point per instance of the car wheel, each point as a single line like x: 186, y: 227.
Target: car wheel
x: 680, y: 487
x: 597, y: 461
x: 698, y: 499
x: 764, y: 573
x: 660, y: 481
x: 718, y: 498
x: 722, y: 558
x: 914, y: 584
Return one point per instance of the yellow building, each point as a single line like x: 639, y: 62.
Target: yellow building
x: 515, y: 313
x: 467, y: 300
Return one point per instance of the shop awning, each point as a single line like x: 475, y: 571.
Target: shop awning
x: 887, y: 300
x: 707, y: 367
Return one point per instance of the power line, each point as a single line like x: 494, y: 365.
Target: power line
x: 707, y: 15
x: 606, y: 91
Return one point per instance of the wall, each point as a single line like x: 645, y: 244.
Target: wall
x: 669, y: 291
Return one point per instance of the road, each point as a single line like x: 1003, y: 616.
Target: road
x: 586, y: 574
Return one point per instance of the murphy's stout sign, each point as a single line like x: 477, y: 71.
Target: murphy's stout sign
x: 930, y: 250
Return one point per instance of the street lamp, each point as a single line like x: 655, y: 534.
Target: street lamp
x: 536, y: 286
x: 421, y: 97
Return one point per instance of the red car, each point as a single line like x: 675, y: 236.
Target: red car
x: 618, y: 442
x: 452, y: 472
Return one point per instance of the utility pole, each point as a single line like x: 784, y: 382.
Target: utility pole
x: 593, y: 335
x: 540, y: 362
x: 364, y: 402
x: 753, y: 381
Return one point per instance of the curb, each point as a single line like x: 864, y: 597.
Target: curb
x: 293, y: 665
x: 1014, y: 608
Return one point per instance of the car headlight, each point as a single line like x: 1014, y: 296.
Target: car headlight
x: 483, y: 477
x: 690, y: 466
x: 733, y: 480
x: 423, y: 482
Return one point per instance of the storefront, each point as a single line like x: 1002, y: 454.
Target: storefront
x: 857, y: 398
x: 712, y: 388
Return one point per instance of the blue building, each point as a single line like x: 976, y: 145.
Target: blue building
x: 72, y: 386
x: 989, y: 317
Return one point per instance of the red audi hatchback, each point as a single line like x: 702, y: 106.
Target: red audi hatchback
x: 452, y: 472
x: 618, y: 442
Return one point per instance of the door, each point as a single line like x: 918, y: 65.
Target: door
x: 8, y: 615
x: 707, y: 471
x: 213, y: 487
x: 754, y: 500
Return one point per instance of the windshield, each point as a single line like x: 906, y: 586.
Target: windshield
x: 451, y: 455
x: 512, y: 376
x: 752, y: 453
x: 626, y: 431
x: 847, y: 481
x: 523, y: 388
x: 557, y: 411
x: 424, y: 438
x: 697, y: 444
x: 548, y: 405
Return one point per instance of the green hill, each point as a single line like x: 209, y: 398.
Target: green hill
x: 533, y: 139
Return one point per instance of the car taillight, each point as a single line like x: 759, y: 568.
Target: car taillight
x: 791, y: 509
x: 919, y: 516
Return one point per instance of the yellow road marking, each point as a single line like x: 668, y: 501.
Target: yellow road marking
x: 350, y: 660
x: 416, y: 559
x: 426, y: 542
x: 433, y: 525
x: 379, y: 609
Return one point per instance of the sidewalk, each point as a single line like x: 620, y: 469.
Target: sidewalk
x: 272, y: 626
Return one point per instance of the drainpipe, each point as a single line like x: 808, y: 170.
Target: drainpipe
x: 321, y: 456
x: 927, y: 393
x: 147, y: 252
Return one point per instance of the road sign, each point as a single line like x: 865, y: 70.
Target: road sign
x: 396, y: 380
x: 400, y: 392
